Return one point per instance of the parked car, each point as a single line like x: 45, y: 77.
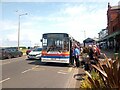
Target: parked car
x: 35, y: 54
x: 29, y: 50
x: 4, y: 53
x: 15, y: 52
x: 9, y: 53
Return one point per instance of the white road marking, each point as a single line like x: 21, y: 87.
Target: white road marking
x: 4, y: 80
x: 70, y: 69
x: 26, y: 70
x: 3, y: 63
x: 36, y: 66
x: 10, y: 61
x: 6, y: 63
x: 61, y: 72
x: 30, y: 69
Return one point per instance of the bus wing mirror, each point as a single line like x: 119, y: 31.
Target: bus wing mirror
x: 41, y: 40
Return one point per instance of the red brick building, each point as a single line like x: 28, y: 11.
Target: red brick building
x: 112, y: 40
x: 113, y: 18
x: 113, y: 26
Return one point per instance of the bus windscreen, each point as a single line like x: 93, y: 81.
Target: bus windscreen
x: 55, y: 42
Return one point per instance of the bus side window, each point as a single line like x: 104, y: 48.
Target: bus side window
x: 44, y: 42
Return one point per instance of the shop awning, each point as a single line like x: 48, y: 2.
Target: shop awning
x: 110, y: 36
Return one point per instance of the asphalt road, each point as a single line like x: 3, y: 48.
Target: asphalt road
x: 22, y: 73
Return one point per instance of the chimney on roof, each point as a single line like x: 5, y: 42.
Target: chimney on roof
x: 119, y: 3
x: 109, y: 6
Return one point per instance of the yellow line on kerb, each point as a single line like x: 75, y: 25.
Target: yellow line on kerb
x: 70, y: 69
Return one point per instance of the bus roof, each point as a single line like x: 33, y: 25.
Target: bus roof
x: 61, y: 33
x: 56, y: 33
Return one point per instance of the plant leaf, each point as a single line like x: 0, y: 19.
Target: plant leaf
x: 97, y: 83
x: 115, y: 72
x: 99, y: 70
x: 88, y: 74
x: 91, y: 81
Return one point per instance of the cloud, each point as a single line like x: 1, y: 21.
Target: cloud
x: 58, y: 0
x: 75, y: 10
x: 8, y: 25
x: 79, y: 19
x: 70, y: 18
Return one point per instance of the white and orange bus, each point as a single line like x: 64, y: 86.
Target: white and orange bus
x: 56, y: 47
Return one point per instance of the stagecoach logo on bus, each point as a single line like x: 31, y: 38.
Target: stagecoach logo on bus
x: 54, y: 52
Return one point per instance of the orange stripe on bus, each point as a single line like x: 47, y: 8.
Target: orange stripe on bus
x: 57, y: 54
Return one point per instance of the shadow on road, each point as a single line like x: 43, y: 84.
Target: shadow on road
x: 56, y: 64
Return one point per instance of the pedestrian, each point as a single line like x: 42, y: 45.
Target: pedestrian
x: 81, y: 50
x: 96, y: 51
x: 87, y: 66
x: 76, y: 55
x: 72, y: 56
x: 91, y: 52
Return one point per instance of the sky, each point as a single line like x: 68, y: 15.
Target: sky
x: 79, y: 18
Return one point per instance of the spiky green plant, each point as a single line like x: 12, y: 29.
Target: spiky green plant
x: 109, y: 73
x: 86, y: 82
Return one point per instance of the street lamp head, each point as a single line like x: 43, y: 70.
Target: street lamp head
x: 23, y: 14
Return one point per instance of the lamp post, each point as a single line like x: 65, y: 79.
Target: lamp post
x: 19, y: 28
x: 84, y: 34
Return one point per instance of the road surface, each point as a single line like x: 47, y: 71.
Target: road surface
x: 23, y: 73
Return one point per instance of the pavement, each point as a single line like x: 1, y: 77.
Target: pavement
x: 109, y: 53
x: 76, y: 78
